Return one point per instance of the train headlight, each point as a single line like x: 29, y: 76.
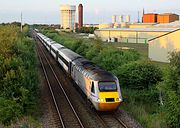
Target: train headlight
x: 100, y: 100
x: 118, y: 99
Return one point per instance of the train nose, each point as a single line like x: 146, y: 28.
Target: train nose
x: 109, y: 101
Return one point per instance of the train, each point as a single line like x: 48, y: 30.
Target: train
x: 101, y: 88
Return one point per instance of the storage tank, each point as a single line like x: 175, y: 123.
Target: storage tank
x: 114, y: 19
x: 121, y: 19
x: 116, y: 25
x: 128, y: 19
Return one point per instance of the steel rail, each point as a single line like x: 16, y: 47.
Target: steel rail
x: 60, y: 85
x: 50, y: 88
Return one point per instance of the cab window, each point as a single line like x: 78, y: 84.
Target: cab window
x: 92, y: 88
x: 107, y: 86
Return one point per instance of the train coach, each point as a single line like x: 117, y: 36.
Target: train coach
x: 101, y: 87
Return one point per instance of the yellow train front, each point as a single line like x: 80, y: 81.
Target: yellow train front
x: 105, y: 93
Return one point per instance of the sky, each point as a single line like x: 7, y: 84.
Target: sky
x: 95, y: 11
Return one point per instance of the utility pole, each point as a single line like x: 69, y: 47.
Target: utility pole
x: 138, y: 18
x: 21, y: 23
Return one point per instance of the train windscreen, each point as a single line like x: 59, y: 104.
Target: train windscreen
x: 107, y: 86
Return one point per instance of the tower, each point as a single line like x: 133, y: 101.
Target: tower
x: 128, y: 19
x: 68, y: 16
x: 114, y: 19
x: 143, y: 15
x: 80, y: 15
x: 121, y: 19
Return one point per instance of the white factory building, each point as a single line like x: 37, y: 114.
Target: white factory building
x: 161, y: 38
x: 67, y: 16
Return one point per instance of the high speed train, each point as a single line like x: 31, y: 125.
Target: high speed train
x: 101, y: 87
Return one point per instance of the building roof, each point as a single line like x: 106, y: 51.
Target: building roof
x: 139, y: 29
x: 167, y: 14
x: 150, y: 14
x: 143, y: 23
x: 172, y: 24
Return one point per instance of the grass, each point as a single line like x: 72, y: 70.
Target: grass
x: 147, y: 113
x: 141, y: 48
x: 25, y: 122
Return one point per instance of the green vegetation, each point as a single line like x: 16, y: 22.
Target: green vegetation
x: 150, y: 90
x: 170, y: 88
x: 87, y: 30
x: 139, y: 75
x: 18, y: 74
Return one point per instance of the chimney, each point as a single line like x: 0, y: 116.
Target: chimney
x: 80, y: 15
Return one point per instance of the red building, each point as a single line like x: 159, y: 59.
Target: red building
x: 167, y: 18
x: 150, y: 18
x: 80, y: 15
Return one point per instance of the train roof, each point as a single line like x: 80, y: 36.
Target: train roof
x: 70, y: 54
x: 90, y: 70
x: 58, y: 46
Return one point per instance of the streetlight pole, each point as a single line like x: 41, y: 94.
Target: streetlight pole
x: 21, y: 22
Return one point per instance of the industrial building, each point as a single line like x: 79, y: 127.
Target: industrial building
x: 131, y: 35
x: 68, y: 16
x: 80, y: 16
x: 160, y: 46
x: 161, y: 40
x: 160, y: 18
x: 167, y: 18
x: 150, y: 18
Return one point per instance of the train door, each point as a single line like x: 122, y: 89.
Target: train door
x: 73, y: 71
x: 57, y: 54
x: 92, y: 95
x: 70, y: 68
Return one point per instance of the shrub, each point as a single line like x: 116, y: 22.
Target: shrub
x: 111, y: 58
x: 171, y: 91
x: 139, y: 75
x: 18, y: 74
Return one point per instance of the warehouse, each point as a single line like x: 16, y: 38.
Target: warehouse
x: 161, y: 40
x: 159, y: 47
x: 130, y: 35
x: 167, y: 18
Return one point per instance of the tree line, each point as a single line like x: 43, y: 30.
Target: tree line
x: 18, y: 73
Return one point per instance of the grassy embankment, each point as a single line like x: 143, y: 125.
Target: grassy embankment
x: 141, y: 80
x: 18, y: 78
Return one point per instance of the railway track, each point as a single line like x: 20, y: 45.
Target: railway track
x: 111, y: 120
x: 67, y: 115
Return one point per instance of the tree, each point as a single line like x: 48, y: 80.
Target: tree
x: 139, y: 75
x: 171, y: 91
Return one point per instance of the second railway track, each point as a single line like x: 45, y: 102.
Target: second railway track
x: 67, y: 115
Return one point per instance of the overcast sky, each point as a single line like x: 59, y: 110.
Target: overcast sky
x: 95, y: 11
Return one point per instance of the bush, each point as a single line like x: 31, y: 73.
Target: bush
x: 139, y: 75
x: 18, y: 74
x: 171, y: 92
x: 111, y: 58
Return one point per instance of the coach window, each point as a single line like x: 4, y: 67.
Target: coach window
x: 92, y: 88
